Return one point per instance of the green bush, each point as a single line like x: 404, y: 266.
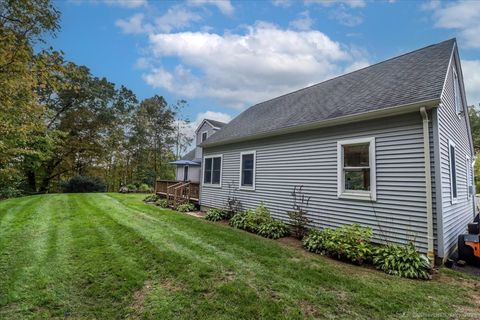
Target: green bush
x: 83, y: 184
x: 259, y: 221
x: 131, y: 187
x: 273, y: 229
x: 349, y: 242
x: 145, y: 188
x: 162, y: 203
x: 217, y: 215
x: 403, y: 261
x: 185, y: 207
x: 151, y: 198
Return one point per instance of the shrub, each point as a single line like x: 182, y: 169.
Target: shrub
x: 349, y: 242
x: 131, y: 187
x: 298, y: 216
x: 403, y: 261
x: 151, y: 198
x: 217, y: 215
x: 84, y: 184
x: 273, y: 229
x: 185, y: 207
x: 145, y: 188
x: 239, y: 220
x: 162, y: 203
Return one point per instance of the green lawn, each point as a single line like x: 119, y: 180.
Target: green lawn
x: 107, y: 256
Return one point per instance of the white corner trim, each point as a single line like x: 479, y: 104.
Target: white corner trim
x: 212, y: 185
x: 359, y: 194
x: 248, y: 188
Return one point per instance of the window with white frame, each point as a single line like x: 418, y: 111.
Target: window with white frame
x: 204, y: 135
x: 457, y: 93
x: 453, y: 171
x: 356, y: 169
x: 247, y: 169
x: 469, y: 177
x: 212, y: 172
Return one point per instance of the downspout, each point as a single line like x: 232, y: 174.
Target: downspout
x: 428, y: 184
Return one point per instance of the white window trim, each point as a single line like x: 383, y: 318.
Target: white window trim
x: 357, y: 194
x: 254, y: 170
x: 469, y: 176
x: 212, y: 185
x: 201, y: 136
x: 458, y: 109
x: 453, y: 199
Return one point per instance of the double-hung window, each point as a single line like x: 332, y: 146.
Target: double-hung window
x: 469, y: 177
x: 212, y: 172
x: 247, y: 170
x: 453, y: 171
x: 204, y: 135
x: 356, y: 169
x: 457, y: 93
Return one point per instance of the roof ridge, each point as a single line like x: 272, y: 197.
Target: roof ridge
x: 345, y: 74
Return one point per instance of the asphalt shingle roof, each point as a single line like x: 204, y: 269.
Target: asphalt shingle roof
x: 216, y: 123
x: 409, y: 78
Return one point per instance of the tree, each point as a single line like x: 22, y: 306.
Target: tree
x: 22, y: 72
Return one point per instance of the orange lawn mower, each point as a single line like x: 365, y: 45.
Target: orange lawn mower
x: 469, y: 244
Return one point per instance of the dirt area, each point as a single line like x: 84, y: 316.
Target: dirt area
x: 198, y: 214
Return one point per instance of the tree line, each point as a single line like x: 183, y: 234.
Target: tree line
x: 57, y: 120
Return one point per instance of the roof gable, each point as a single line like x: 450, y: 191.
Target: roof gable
x: 403, y: 80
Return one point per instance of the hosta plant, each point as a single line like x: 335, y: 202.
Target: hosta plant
x: 185, y: 207
x: 273, y: 229
x: 162, y: 203
x: 403, y: 261
x: 217, y: 215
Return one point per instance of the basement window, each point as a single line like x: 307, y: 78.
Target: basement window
x: 247, y: 170
x: 453, y: 171
x: 356, y: 169
x: 212, y: 172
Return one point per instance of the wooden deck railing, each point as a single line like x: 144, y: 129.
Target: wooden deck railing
x: 178, y: 191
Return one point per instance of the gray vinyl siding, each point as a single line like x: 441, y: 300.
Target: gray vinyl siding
x: 310, y: 159
x: 198, y: 138
x: 455, y: 216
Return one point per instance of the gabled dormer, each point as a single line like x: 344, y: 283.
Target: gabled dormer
x: 206, y: 128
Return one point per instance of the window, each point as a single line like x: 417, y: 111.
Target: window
x: 212, y: 173
x: 457, y: 93
x: 204, y: 135
x: 247, y: 170
x: 453, y: 171
x: 469, y: 178
x: 356, y: 169
x: 185, y: 173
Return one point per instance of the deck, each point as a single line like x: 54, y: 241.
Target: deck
x: 178, y: 191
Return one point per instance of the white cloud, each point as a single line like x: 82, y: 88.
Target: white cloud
x: 132, y: 25
x: 350, y: 3
x: 225, y: 6
x: 356, y: 66
x: 241, y: 69
x: 471, y: 77
x: 304, y: 22
x: 346, y: 18
x: 126, y: 3
x: 176, y: 17
x: 462, y: 16
x: 282, y: 3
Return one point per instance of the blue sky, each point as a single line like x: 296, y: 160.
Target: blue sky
x: 223, y: 56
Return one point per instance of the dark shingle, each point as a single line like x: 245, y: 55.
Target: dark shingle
x: 216, y: 123
x: 409, y: 78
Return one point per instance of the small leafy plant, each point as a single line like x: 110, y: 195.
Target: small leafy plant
x: 403, y: 261
x: 273, y: 229
x: 185, y: 207
x: 298, y: 216
x: 217, y: 215
x: 151, y: 198
x: 162, y: 203
x: 348, y: 242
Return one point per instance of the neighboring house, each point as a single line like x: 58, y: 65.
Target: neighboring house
x: 387, y: 146
x: 189, y: 166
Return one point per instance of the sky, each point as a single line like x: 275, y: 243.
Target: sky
x: 224, y: 56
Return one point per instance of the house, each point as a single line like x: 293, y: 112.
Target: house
x: 387, y: 146
x: 188, y: 167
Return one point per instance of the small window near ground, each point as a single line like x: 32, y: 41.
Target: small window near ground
x: 469, y: 177
x: 356, y: 169
x: 247, y: 170
x: 204, y: 136
x: 212, y: 173
x: 457, y: 93
x: 453, y: 171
